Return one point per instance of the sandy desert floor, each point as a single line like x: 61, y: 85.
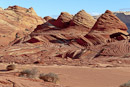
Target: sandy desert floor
x: 77, y: 76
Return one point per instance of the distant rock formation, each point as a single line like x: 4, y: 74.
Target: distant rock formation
x: 125, y: 17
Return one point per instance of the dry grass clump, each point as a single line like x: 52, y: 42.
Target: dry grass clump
x: 125, y: 84
x: 50, y: 77
x: 10, y: 67
x: 29, y: 73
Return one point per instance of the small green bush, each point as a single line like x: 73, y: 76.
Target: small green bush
x: 10, y: 67
x: 50, y: 77
x: 30, y: 73
x: 125, y: 84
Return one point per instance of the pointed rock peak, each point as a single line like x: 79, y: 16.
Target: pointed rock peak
x: 84, y: 19
x: 109, y: 22
x: 64, y: 13
x: 32, y: 11
x: 47, y: 18
x: 65, y: 17
x: 81, y: 11
x: 31, y: 8
x: 63, y: 20
x: 108, y: 11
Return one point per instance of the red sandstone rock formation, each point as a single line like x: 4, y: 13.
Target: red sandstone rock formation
x: 63, y: 20
x: 109, y: 23
x: 106, y: 25
x: 52, y: 43
x: 16, y: 19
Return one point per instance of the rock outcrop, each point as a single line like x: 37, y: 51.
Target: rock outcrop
x: 83, y: 19
x: 108, y: 22
x: 16, y: 19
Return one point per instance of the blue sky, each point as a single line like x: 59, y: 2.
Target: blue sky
x: 55, y: 7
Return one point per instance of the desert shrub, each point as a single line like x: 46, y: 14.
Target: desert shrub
x: 10, y: 67
x: 50, y: 77
x: 30, y: 73
x: 126, y: 55
x: 125, y: 84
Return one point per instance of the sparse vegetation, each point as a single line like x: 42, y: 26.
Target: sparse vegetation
x: 125, y: 84
x: 50, y: 77
x: 10, y: 67
x: 126, y: 55
x: 30, y: 73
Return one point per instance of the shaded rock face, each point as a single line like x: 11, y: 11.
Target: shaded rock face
x: 84, y: 19
x: 16, y: 19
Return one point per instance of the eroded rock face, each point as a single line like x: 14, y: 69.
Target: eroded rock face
x: 84, y: 19
x: 16, y: 19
